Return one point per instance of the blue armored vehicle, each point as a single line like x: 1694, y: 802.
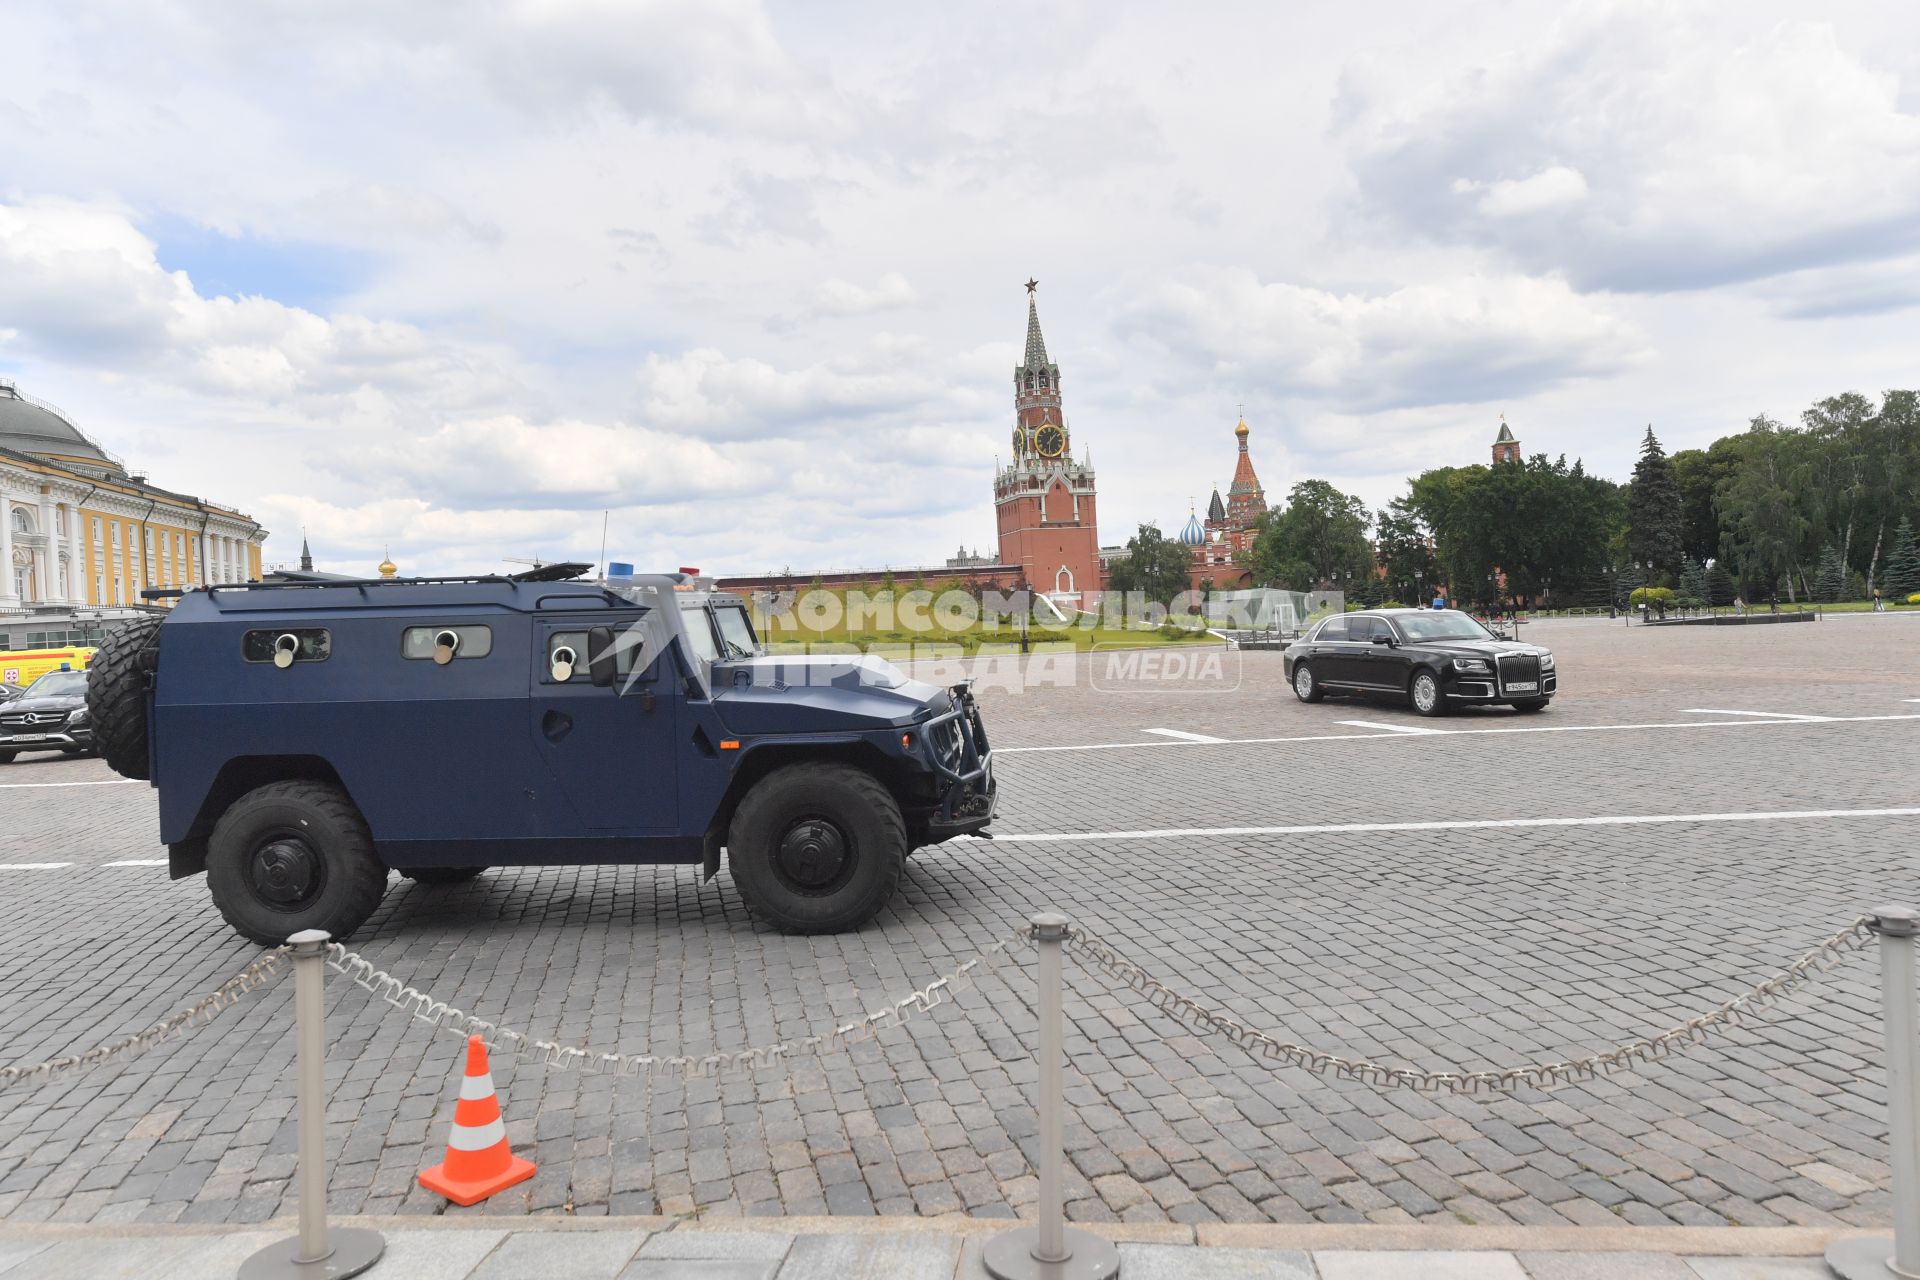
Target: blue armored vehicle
x: 307, y: 737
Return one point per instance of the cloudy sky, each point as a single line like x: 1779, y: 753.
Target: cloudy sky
x: 456, y: 279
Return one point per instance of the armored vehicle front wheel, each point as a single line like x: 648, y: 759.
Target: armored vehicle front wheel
x: 290, y: 856
x: 817, y: 848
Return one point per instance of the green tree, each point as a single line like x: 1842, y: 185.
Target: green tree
x: 1903, y: 564
x: 1764, y: 528
x: 1156, y: 566
x: 1721, y: 588
x: 1405, y: 552
x: 1655, y: 520
x: 1830, y: 584
x: 1700, y: 473
x: 1321, y: 533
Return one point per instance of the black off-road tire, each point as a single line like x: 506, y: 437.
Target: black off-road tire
x: 117, y: 696
x: 349, y: 878
x: 440, y: 875
x: 1313, y: 692
x: 863, y: 814
x: 6, y: 757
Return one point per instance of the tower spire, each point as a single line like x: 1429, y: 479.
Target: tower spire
x: 1036, y: 345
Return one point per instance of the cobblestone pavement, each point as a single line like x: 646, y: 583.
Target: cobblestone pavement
x: 1466, y: 947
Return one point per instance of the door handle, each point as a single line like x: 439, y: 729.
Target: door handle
x: 556, y: 725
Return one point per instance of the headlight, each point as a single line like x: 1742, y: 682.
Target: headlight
x: 1476, y: 665
x: 1546, y: 662
x: 77, y: 716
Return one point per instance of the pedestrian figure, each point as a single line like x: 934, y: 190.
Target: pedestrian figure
x: 1739, y: 607
x: 1879, y: 606
x: 1661, y: 605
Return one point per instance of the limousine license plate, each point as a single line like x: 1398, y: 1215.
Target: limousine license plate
x: 1522, y: 686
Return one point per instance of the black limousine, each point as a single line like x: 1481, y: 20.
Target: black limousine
x: 1436, y: 659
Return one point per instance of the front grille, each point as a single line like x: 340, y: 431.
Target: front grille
x: 1519, y: 666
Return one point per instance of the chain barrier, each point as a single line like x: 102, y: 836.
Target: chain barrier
x: 550, y: 1053
x: 204, y: 1010
x: 1258, y: 1044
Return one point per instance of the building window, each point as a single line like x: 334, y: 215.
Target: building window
x: 22, y: 522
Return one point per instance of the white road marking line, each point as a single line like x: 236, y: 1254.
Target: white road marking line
x: 138, y: 862
x: 1184, y: 736
x: 1534, y: 728
x: 1465, y: 824
x: 1769, y: 715
x: 108, y: 782
x: 1390, y: 728
x: 33, y: 866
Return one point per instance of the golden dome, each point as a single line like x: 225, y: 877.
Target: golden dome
x: 1241, y: 430
x: 388, y: 568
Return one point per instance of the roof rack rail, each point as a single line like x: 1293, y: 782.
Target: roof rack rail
x: 323, y: 584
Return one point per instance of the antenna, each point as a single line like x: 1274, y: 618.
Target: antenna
x: 604, y: 515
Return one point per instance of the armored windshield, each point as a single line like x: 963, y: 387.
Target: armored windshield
x: 736, y: 633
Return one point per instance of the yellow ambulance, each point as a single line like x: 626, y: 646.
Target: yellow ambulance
x: 24, y: 666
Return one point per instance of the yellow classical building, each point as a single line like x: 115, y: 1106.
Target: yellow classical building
x: 81, y: 536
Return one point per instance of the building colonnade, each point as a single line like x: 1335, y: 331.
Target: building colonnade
x: 68, y: 540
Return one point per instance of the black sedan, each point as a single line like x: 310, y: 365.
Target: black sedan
x: 50, y: 716
x: 1436, y: 659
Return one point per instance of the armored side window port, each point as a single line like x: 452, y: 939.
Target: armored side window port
x: 563, y: 660
x: 445, y: 645
x: 286, y: 646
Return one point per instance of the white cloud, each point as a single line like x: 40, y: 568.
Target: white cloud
x: 587, y: 242
x: 736, y: 397
x: 1645, y: 147
x: 93, y: 290
x: 842, y: 298
x: 1444, y: 342
x: 1555, y: 187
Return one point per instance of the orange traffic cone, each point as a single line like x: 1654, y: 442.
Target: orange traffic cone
x: 479, y: 1163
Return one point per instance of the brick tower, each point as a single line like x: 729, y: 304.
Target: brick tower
x: 1505, y: 447
x: 1044, y: 500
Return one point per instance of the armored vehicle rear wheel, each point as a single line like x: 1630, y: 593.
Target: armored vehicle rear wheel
x: 440, y: 875
x: 117, y: 696
x: 817, y: 848
x: 290, y: 856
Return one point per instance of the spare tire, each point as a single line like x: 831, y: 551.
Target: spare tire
x: 117, y: 696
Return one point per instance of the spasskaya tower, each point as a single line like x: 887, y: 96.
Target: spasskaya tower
x: 1044, y: 500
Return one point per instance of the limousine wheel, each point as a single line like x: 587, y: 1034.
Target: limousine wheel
x: 1426, y: 695
x: 1305, y: 687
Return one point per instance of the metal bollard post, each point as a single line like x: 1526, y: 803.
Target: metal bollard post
x: 1868, y: 1257
x: 316, y: 1253
x: 1050, y: 1251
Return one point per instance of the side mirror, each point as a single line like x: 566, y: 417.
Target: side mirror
x: 1383, y: 640
x: 601, y: 659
